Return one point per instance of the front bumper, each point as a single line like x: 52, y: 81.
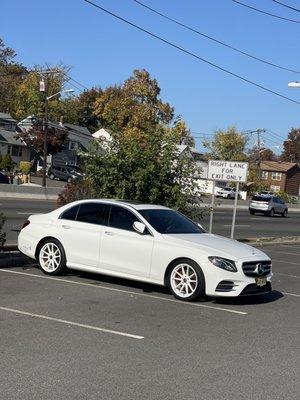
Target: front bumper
x: 221, y: 283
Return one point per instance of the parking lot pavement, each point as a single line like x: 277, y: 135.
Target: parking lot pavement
x: 86, y: 336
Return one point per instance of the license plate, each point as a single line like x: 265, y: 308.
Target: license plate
x: 261, y: 281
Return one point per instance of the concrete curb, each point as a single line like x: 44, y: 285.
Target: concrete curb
x: 271, y: 240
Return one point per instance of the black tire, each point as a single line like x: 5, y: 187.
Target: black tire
x: 57, y: 246
x: 252, y: 212
x: 199, y: 288
x: 285, y: 213
x: 51, y: 176
x: 228, y: 196
x: 69, y: 180
x: 271, y: 212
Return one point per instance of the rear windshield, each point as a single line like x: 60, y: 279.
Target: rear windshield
x: 261, y: 198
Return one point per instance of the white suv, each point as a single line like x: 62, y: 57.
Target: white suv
x: 227, y: 193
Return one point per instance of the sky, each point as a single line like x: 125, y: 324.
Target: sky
x: 102, y: 51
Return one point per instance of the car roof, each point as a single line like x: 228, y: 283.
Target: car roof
x: 129, y: 203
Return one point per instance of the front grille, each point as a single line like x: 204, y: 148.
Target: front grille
x: 257, y: 268
x: 225, y: 286
x: 254, y: 289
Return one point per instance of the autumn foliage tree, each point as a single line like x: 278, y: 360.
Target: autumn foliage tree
x: 34, y: 137
x: 291, y: 146
x: 227, y: 145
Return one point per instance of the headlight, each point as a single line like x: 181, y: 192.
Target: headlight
x: 223, y: 263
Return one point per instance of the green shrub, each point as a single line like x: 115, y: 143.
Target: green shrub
x: 25, y: 167
x: 2, y: 234
x: 78, y: 190
x: 6, y: 162
x: 286, y: 197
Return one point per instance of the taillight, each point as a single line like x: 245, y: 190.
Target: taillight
x: 25, y: 224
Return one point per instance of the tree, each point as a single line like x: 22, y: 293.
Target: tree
x: 291, y: 146
x: 34, y: 138
x: 227, y: 145
x: 80, y: 110
x: 263, y: 154
x: 133, y: 105
x: 11, y: 75
x: 181, y: 134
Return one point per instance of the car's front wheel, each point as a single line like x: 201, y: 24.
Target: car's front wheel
x: 186, y: 280
x: 51, y: 176
x: 285, y: 213
x: 51, y: 257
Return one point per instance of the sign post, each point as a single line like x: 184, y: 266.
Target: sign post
x: 212, y: 207
x: 226, y: 171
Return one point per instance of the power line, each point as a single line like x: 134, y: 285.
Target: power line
x: 286, y: 5
x: 265, y: 12
x: 190, y: 53
x: 214, y: 39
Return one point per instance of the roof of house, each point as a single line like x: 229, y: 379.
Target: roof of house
x: 7, y: 117
x: 9, y: 137
x: 276, y: 166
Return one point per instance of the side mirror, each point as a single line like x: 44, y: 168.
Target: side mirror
x: 139, y: 227
x: 200, y: 226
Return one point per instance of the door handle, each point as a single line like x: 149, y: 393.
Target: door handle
x: 108, y: 233
x: 66, y: 227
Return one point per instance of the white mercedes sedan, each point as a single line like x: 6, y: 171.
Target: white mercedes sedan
x: 144, y: 242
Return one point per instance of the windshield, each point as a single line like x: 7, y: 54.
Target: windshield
x: 169, y: 221
x: 261, y: 198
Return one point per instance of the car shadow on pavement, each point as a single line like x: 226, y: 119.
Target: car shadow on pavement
x: 98, y: 279
x: 270, y: 297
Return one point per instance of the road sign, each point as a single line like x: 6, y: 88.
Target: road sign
x: 228, y: 171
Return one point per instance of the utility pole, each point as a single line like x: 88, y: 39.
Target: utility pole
x: 44, y: 89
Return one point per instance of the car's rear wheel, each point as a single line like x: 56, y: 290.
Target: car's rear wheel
x: 186, y: 280
x: 271, y: 212
x: 51, y: 257
x: 285, y: 213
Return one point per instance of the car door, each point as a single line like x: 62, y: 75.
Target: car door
x: 123, y: 250
x: 81, y: 229
x: 277, y: 205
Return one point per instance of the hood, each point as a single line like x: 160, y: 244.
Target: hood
x: 215, y: 245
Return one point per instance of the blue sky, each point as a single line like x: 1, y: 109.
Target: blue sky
x: 104, y: 51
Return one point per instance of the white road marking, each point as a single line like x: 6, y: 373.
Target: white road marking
x: 291, y: 276
x: 291, y: 294
x: 27, y: 213
x: 283, y: 252
x: 286, y: 262
x: 63, y: 321
x: 238, y: 226
x: 125, y: 291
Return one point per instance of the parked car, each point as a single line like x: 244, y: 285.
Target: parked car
x: 4, y: 178
x: 268, y: 205
x: 143, y: 242
x: 67, y: 174
x: 227, y: 193
x: 266, y: 193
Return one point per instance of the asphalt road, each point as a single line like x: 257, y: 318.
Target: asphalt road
x: 247, y: 226
x: 85, y: 336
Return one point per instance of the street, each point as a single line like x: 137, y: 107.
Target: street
x: 247, y: 226
x: 86, y: 336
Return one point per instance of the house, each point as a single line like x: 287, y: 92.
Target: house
x: 281, y: 176
x: 79, y: 139
x: 9, y: 144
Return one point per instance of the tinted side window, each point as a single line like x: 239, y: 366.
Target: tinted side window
x: 93, y: 213
x: 70, y: 214
x: 122, y: 218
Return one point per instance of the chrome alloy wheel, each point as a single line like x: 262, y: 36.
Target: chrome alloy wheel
x: 50, y: 257
x: 184, y: 280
